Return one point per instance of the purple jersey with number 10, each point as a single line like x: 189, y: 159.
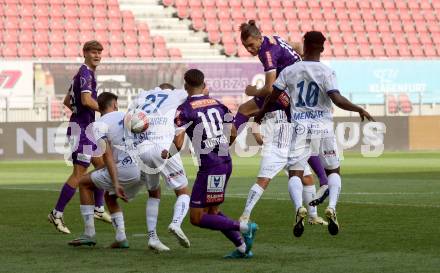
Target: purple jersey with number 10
x: 204, y: 119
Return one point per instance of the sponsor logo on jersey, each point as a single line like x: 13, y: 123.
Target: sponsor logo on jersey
x: 269, y: 59
x: 329, y: 153
x: 83, y: 158
x: 203, y: 103
x: 215, y: 198
x: 308, y: 115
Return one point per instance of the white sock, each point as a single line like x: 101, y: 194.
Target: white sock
x: 334, y: 186
x: 254, y: 195
x: 295, y: 190
x: 244, y: 227
x: 118, y: 224
x: 57, y: 214
x: 100, y: 209
x: 87, y: 212
x: 309, y: 193
x: 180, y: 209
x: 152, y: 212
x: 242, y: 248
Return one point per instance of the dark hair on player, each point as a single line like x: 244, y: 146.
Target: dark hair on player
x: 105, y: 100
x: 166, y: 85
x: 194, y: 78
x: 314, y: 40
x: 92, y: 45
x: 249, y: 29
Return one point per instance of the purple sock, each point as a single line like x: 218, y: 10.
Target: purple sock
x: 99, y: 197
x: 217, y: 222
x: 315, y: 164
x: 67, y: 192
x: 233, y: 235
x: 240, y: 119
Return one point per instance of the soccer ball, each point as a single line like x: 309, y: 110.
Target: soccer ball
x: 136, y: 121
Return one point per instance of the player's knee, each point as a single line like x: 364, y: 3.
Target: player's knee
x: 194, y: 218
x: 263, y: 182
x: 154, y: 193
x: 307, y: 180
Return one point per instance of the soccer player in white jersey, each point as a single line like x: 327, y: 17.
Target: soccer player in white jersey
x: 312, y: 88
x: 119, y: 178
x: 161, y: 104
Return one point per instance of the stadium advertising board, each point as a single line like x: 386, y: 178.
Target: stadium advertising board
x: 368, y: 80
x: 46, y: 140
x: 226, y: 80
x: 16, y: 84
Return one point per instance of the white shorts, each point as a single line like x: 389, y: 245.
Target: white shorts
x: 302, y: 148
x: 154, y: 166
x: 128, y: 176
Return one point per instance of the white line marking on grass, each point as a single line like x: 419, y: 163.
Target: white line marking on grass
x: 244, y: 196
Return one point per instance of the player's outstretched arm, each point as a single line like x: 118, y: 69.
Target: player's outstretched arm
x: 111, y: 167
x: 266, y: 89
x: 88, y: 101
x: 343, y: 103
x: 267, y: 103
x: 233, y: 135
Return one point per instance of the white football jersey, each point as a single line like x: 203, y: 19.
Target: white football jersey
x: 111, y: 127
x: 161, y: 107
x: 308, y: 84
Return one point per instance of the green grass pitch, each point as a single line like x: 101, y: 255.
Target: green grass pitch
x: 388, y: 211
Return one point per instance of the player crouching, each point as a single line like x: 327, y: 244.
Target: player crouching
x: 119, y: 178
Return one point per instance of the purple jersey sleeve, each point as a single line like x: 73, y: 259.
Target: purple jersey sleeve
x: 86, y: 81
x: 276, y: 54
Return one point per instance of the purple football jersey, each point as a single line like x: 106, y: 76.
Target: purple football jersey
x: 276, y: 54
x: 84, y: 81
x: 204, y: 119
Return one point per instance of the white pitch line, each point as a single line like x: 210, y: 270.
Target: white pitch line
x: 269, y: 197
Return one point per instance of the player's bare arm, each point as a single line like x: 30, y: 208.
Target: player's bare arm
x: 66, y: 101
x: 266, y: 107
x: 179, y: 138
x: 88, y: 101
x: 266, y: 89
x: 343, y: 103
x: 111, y: 167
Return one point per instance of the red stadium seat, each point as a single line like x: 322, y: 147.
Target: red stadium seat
x: 158, y: 41
x: 41, y: 11
x: 9, y: 50
x: 72, y: 50
x: 349, y: 38
x: 237, y: 14
x: 168, y: 3
x: 117, y: 50
x: 182, y: 12
x: 214, y: 37
x: 430, y: 51
x: 208, y: 3
x: 400, y: 40
x: 248, y: 4
x: 223, y: 14
x: 114, y: 13
x: 25, y: 50
x: 329, y: 14
x: 196, y: 13
x: 56, y: 24
x: 425, y: 39
x: 181, y: 3
x: 230, y: 49
x: 101, y: 36
x: 85, y: 12
x: 115, y: 37
x: 391, y: 51
x: 288, y: 5
x: 335, y: 38
x: 194, y: 4
x: 242, y: 52
x: 228, y: 38
x: 357, y: 26
x: 412, y: 39
x: 56, y: 50
x: 41, y: 37
x: 26, y: 23
x: 160, y: 52
x: 146, y: 50
x: 131, y: 51
x: 417, y: 51
x: 56, y: 37
x: 84, y: 2
x: 99, y: 13
x: 71, y: 24
x: 378, y: 51
x: 26, y: 36
x: 175, y: 53
x: 387, y: 39
x: 56, y: 11
x: 86, y: 24
x: 370, y: 26
x: 144, y: 37
x: 392, y: 104
x: 26, y: 10
x: 352, y: 50
x: 41, y: 50
x: 130, y: 38
x: 339, y: 52
x: 198, y: 24
x: 275, y: 4
x: 405, y: 104
x: 304, y: 15
x: 71, y: 11
x: 115, y: 24
x: 404, y: 50
x: 344, y: 27
x: 374, y: 38
x: 11, y: 10
x: 71, y: 37
x: 212, y: 27
x: 277, y: 14
x: 262, y: 4
x: 250, y: 15
x: 365, y: 50
x: 331, y: 25
x: 384, y: 28
x: 100, y: 24
x: 11, y: 23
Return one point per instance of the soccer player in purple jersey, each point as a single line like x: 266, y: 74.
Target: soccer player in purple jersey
x: 208, y: 124
x: 81, y: 100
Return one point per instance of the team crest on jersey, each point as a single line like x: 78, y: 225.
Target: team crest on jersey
x: 203, y: 103
x: 85, y: 82
x: 216, y: 183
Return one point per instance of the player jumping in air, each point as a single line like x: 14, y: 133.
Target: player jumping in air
x: 312, y: 88
x: 161, y: 104
x: 120, y: 177
x: 275, y: 54
x: 208, y: 124
x: 81, y: 100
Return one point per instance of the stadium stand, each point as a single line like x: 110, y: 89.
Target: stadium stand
x: 372, y: 28
x: 208, y: 28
